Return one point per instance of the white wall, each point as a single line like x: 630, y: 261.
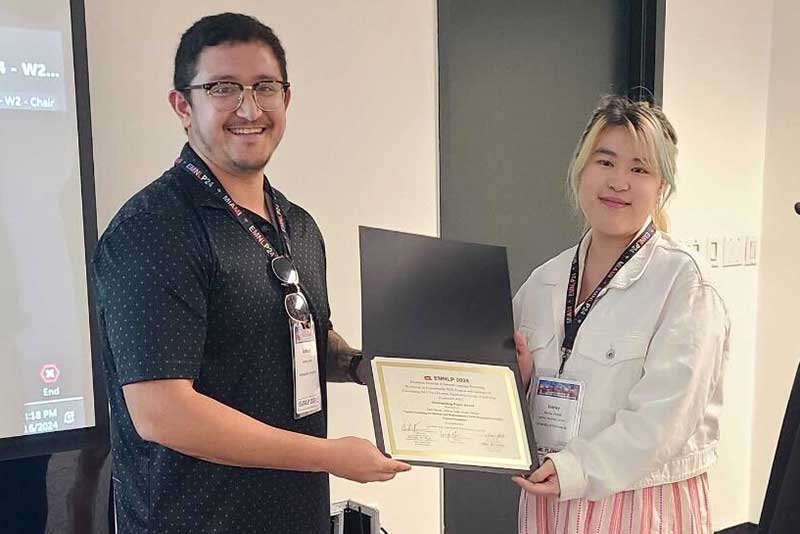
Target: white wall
x: 778, y: 346
x: 360, y: 148
x: 730, y: 85
x: 716, y: 72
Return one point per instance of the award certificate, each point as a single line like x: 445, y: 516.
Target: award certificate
x: 440, y: 412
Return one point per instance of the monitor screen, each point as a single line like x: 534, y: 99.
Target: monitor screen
x: 47, y: 221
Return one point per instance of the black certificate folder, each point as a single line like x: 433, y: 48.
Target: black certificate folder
x: 425, y: 298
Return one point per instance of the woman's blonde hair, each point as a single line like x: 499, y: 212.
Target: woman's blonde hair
x: 649, y: 128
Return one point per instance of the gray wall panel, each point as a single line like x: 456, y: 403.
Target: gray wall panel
x: 517, y: 82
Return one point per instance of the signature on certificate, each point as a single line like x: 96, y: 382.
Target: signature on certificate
x: 451, y: 436
x: 494, y: 441
x: 414, y: 427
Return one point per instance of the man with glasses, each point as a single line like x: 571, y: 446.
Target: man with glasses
x: 213, y: 308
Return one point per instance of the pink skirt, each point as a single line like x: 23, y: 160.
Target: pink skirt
x: 677, y: 508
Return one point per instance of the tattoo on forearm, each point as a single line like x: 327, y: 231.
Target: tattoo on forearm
x: 340, y: 355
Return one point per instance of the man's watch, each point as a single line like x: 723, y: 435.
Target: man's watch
x: 352, y: 369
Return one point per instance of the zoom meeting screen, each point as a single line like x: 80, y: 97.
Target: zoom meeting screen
x: 45, y: 358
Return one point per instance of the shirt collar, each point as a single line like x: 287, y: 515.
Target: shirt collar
x: 202, y: 196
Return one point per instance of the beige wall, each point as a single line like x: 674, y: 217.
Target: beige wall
x: 360, y: 148
x: 778, y: 346
x: 716, y: 71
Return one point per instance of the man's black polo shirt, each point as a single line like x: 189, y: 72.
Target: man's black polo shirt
x: 184, y: 292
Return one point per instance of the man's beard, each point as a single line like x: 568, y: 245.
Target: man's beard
x: 257, y: 164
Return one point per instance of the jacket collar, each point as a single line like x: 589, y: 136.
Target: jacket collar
x: 556, y: 272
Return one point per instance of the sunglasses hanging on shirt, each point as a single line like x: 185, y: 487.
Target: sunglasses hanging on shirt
x: 295, y: 302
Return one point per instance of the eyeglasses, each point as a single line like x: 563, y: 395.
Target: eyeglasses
x: 295, y: 302
x: 227, y: 96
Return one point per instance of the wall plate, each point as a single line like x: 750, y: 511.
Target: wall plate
x: 733, y: 251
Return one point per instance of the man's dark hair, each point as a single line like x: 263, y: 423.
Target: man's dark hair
x: 221, y: 29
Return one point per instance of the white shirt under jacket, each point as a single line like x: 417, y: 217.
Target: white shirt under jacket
x: 651, y: 354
